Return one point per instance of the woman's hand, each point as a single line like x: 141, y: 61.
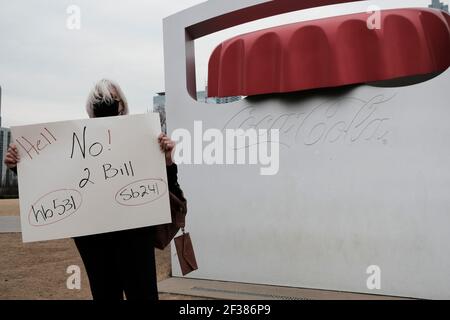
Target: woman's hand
x: 167, y: 146
x: 12, y: 156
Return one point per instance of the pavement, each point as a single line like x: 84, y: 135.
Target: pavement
x: 9, y: 224
x: 226, y: 290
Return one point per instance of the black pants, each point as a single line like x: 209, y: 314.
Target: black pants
x: 120, y: 262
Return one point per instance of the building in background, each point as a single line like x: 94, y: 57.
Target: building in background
x: 203, y: 97
x: 437, y: 4
x: 8, y: 180
x: 159, y: 103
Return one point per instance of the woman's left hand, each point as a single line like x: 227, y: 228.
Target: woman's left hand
x: 167, y: 146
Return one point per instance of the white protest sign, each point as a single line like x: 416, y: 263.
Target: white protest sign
x: 91, y: 176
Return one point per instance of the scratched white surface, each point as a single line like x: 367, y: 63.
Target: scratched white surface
x: 376, y: 194
x: 366, y: 183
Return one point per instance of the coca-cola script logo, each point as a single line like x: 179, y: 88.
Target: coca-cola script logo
x: 347, y: 120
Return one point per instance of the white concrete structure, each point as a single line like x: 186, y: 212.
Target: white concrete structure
x: 341, y: 202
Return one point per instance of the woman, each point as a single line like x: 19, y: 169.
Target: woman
x: 122, y: 261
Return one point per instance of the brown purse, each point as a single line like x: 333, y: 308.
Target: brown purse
x: 164, y: 233
x: 185, y: 253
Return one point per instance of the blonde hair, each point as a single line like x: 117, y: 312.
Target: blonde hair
x: 102, y: 93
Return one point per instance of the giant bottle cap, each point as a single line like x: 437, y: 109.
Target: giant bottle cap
x: 331, y: 52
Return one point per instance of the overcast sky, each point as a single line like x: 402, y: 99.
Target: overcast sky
x: 47, y: 70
